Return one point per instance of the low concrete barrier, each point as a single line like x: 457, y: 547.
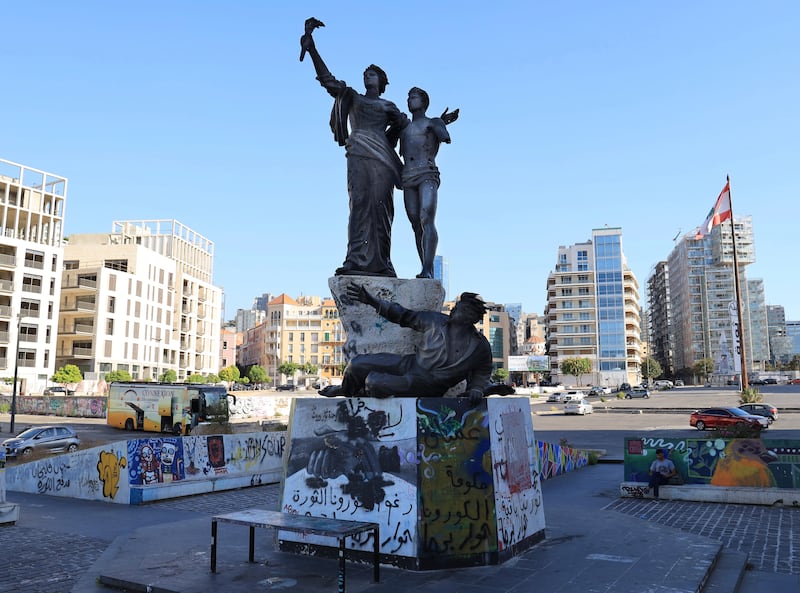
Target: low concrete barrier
x: 719, y: 494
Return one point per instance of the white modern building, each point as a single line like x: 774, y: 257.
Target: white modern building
x: 703, y: 298
x: 140, y: 299
x: 32, y: 204
x: 593, y: 311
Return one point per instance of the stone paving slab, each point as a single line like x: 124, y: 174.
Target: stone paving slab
x: 770, y: 536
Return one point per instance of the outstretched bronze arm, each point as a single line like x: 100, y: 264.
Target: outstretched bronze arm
x: 307, y: 39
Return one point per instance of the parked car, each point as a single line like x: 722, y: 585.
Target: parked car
x: 556, y: 396
x: 42, y: 438
x: 770, y: 381
x: 58, y: 390
x: 769, y: 411
x: 794, y: 382
x: 678, y: 383
x: 637, y: 391
x: 756, y: 381
x: 581, y: 407
x: 725, y: 417
x: 286, y: 387
x: 573, y: 395
x: 624, y: 387
x: 597, y: 390
x: 663, y: 384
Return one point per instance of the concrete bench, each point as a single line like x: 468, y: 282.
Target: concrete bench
x: 338, y: 528
x: 720, y: 494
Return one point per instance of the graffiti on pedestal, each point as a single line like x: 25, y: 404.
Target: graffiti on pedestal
x: 455, y: 478
x: 352, y: 461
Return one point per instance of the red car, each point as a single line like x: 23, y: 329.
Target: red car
x: 724, y: 418
x: 794, y: 381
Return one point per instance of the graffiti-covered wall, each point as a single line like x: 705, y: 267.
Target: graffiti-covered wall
x: 766, y: 463
x: 72, y: 407
x: 449, y: 483
x: 118, y: 472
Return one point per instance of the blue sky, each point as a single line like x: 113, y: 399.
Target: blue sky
x: 574, y: 115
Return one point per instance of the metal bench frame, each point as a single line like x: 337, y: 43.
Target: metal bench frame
x: 338, y: 528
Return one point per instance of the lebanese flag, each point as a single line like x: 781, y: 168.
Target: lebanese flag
x: 718, y: 214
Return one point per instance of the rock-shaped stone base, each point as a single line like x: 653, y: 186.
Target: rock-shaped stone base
x: 450, y: 485
x: 368, y: 332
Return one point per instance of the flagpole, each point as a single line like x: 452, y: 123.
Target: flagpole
x: 738, y: 292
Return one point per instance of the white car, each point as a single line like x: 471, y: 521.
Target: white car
x: 581, y: 407
x: 574, y: 395
x: 557, y: 396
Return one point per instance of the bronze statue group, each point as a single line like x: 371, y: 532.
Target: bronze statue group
x: 451, y: 350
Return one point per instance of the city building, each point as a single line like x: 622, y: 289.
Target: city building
x: 782, y: 347
x: 229, y: 342
x: 441, y: 271
x: 249, y: 318
x: 703, y: 299
x: 140, y: 299
x: 659, y: 314
x: 593, y: 312
x: 758, y: 346
x: 305, y: 331
x: 793, y: 333
x: 32, y: 205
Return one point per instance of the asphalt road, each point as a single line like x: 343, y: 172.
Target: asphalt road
x: 665, y: 412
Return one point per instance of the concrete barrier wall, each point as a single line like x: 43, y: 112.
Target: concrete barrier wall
x: 762, y: 463
x: 247, y: 406
x: 72, y: 407
x: 154, y: 468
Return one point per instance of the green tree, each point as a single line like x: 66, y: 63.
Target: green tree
x: 310, y: 369
x: 69, y: 373
x: 119, y: 375
x: 257, y: 374
x: 651, y: 369
x: 196, y: 378
x: 576, y: 367
x: 288, y: 368
x: 212, y: 379
x: 230, y: 374
x: 500, y: 375
x: 703, y: 368
x: 168, y: 376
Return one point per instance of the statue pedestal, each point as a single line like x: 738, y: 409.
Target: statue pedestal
x: 449, y: 484
x: 9, y: 512
x: 368, y: 332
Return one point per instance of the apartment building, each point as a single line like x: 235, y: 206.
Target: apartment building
x: 703, y: 298
x: 659, y: 313
x: 140, y: 299
x: 593, y: 311
x: 305, y: 330
x: 32, y: 205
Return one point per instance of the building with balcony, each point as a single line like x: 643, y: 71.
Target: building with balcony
x: 703, y: 298
x: 140, y: 299
x: 659, y: 313
x: 32, y: 204
x: 593, y: 311
x: 306, y: 330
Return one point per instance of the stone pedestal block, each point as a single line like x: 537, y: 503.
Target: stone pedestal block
x: 450, y: 485
x: 368, y: 332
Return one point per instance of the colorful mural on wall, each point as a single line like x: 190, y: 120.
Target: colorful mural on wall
x: 766, y: 463
x: 449, y: 483
x: 556, y: 459
x: 109, y: 472
x: 72, y: 407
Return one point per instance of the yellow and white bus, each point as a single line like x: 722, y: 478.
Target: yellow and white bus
x: 166, y: 407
